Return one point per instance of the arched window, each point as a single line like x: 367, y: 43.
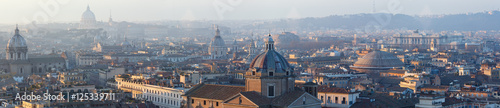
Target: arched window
x: 343, y: 100
x: 336, y: 99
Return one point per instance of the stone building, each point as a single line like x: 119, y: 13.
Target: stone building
x: 163, y: 97
x: 422, y: 40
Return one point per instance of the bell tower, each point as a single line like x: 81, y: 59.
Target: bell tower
x: 433, y: 45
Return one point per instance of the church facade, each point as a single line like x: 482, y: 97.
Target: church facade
x: 18, y: 60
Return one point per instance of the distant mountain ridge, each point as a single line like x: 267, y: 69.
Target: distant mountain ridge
x: 477, y: 21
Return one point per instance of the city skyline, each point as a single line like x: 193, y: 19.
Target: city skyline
x: 250, y: 54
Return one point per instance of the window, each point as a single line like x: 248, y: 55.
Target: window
x: 271, y: 73
x: 329, y: 99
x: 336, y: 99
x: 287, y: 73
x: 321, y: 98
x: 343, y: 101
x: 204, y: 102
x: 304, y: 100
x: 270, y: 91
x: 253, y: 72
x: 216, y: 103
x: 240, y: 100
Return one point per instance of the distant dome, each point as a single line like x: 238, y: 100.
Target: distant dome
x: 378, y: 60
x: 217, y: 40
x: 88, y: 19
x: 125, y: 43
x: 217, y: 48
x: 16, y: 41
x: 88, y: 15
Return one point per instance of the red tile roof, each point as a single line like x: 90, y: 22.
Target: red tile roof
x: 332, y: 89
x: 216, y: 92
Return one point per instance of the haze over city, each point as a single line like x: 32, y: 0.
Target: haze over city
x: 156, y: 10
x: 249, y: 54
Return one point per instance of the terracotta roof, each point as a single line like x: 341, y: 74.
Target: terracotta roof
x: 287, y: 98
x: 256, y: 98
x: 332, y: 89
x: 451, y: 101
x: 399, y: 89
x: 364, y: 103
x: 435, y: 87
x: 383, y: 100
x: 216, y: 92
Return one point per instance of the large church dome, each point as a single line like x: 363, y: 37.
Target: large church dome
x: 270, y: 59
x: 88, y: 15
x: 217, y: 48
x: 16, y: 47
x: 378, y: 60
x: 16, y: 41
x: 217, y: 40
x: 88, y: 19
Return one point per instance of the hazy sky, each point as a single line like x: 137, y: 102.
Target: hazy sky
x: 22, y: 11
